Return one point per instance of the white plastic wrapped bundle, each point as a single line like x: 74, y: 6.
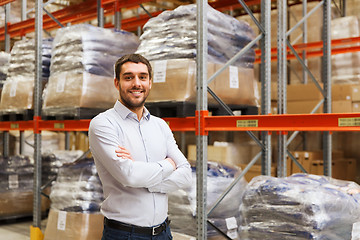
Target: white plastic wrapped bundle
x: 92, y: 49
x: 17, y: 94
x: 172, y: 34
x: 77, y: 188
x: 301, y: 206
x: 182, y: 204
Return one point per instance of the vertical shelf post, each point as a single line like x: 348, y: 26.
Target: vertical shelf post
x: 35, y: 233
x: 201, y: 108
x: 326, y: 77
x: 282, y: 82
x: 265, y: 79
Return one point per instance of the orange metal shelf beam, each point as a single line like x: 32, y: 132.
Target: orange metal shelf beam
x: 64, y: 125
x: 279, y: 123
x: 285, y: 122
x: 18, y: 125
x: 4, y: 2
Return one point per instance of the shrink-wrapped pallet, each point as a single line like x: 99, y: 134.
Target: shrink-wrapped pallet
x: 301, y: 206
x: 17, y: 94
x: 82, y: 67
x: 345, y: 66
x: 182, y: 203
x: 16, y: 187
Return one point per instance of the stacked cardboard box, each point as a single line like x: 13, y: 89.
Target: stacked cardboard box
x: 312, y: 161
x: 302, y: 98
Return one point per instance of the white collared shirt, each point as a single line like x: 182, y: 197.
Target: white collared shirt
x: 135, y: 191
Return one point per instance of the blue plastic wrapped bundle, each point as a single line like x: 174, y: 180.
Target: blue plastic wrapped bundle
x: 182, y: 204
x: 172, y: 34
x: 301, y: 206
x: 77, y: 188
x: 92, y: 49
x: 16, y: 173
x: 4, y: 65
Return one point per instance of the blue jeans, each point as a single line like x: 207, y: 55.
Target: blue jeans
x: 115, y: 234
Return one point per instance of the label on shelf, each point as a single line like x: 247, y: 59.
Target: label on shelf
x: 349, y: 122
x: 59, y: 125
x: 61, y: 223
x: 247, y: 123
x: 13, y: 181
x: 234, y: 77
x: 159, y: 71
x: 14, y: 125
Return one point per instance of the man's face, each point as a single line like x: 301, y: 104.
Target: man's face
x: 134, y: 85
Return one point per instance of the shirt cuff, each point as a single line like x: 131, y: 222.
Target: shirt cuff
x: 167, y: 168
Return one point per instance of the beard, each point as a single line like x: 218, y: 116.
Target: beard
x: 130, y: 103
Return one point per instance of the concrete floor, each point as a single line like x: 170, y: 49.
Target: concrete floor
x: 18, y: 229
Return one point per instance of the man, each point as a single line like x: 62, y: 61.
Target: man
x: 136, y: 157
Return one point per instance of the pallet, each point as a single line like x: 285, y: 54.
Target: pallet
x: 70, y: 113
x: 17, y: 115
x: 186, y: 109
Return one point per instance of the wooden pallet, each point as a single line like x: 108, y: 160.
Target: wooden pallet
x: 17, y: 115
x: 70, y: 113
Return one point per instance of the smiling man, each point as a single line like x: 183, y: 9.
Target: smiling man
x: 137, y: 158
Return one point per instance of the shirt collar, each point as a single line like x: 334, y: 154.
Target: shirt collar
x: 124, y: 112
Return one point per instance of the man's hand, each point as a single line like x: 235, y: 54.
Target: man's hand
x: 172, y: 162
x: 123, y: 153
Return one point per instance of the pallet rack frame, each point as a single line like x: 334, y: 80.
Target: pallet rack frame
x: 202, y: 123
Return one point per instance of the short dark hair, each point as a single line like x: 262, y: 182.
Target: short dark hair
x: 135, y: 58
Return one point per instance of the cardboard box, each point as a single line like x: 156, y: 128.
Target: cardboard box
x: 255, y: 170
x: 20, y: 203
x: 341, y: 106
x: 221, y: 154
x: 73, y: 225
x: 303, y: 92
x: 303, y: 107
x: 349, y: 92
x: 175, y: 80
x: 344, y: 168
x: 355, y: 107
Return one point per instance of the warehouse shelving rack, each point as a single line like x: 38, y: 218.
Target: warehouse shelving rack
x: 202, y: 123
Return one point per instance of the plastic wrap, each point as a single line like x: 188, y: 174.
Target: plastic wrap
x: 92, y: 49
x: 16, y: 173
x: 182, y: 204
x: 17, y: 94
x: 4, y: 65
x: 345, y: 67
x: 301, y: 206
x: 172, y: 34
x: 54, y: 160
x: 77, y: 188
x: 82, y: 68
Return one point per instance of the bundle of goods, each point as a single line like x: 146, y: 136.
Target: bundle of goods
x: 301, y: 206
x: 172, y: 34
x: 226, y: 216
x: 169, y: 42
x: 18, y: 88
x: 54, y: 160
x: 82, y: 67
x: 345, y: 66
x: 4, y: 65
x: 16, y: 187
x: 75, y: 203
x: 77, y: 188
